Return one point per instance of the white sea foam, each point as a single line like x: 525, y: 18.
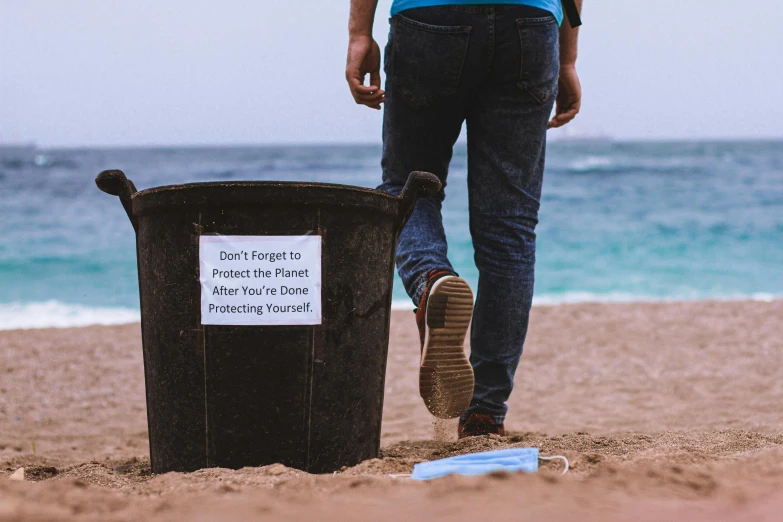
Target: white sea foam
x: 590, y: 163
x: 402, y: 304
x: 54, y: 314
x: 619, y: 297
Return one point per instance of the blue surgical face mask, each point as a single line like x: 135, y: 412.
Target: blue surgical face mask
x: 512, y: 460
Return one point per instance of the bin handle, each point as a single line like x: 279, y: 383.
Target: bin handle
x: 115, y: 183
x: 419, y: 185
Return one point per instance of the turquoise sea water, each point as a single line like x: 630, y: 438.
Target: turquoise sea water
x: 618, y: 222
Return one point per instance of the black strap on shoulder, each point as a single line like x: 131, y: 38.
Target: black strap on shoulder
x: 569, y: 6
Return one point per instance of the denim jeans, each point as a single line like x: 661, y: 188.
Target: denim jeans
x: 495, y: 68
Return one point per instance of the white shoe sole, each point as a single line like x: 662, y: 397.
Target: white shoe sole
x: 446, y: 376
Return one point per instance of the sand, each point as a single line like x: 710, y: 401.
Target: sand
x: 666, y: 411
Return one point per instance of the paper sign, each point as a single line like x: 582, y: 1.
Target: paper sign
x: 260, y: 280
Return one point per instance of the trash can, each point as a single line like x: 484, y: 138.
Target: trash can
x: 265, y: 310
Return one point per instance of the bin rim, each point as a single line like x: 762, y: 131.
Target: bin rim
x: 211, y: 194
x: 214, y: 193
x: 261, y: 183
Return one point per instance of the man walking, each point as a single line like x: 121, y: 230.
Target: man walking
x: 499, y: 67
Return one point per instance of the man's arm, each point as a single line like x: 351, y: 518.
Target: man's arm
x: 364, y: 55
x: 569, y: 96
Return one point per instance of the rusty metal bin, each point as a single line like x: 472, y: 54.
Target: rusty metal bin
x: 307, y: 396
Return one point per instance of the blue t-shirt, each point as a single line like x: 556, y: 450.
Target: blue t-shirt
x: 553, y: 6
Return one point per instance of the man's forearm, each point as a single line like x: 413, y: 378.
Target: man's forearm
x: 362, y: 17
x: 568, y: 37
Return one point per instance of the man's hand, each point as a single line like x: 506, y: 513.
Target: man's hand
x: 569, y: 97
x: 364, y: 57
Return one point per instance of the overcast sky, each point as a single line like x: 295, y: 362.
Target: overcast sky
x: 103, y: 72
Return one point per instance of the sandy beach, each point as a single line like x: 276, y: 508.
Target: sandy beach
x: 665, y: 411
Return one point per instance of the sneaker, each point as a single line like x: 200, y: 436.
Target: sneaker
x: 443, y: 317
x: 478, y: 424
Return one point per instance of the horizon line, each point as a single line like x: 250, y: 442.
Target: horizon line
x: 284, y: 144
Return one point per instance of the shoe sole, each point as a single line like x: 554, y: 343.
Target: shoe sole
x: 446, y: 376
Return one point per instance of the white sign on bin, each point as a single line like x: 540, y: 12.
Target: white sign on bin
x: 260, y: 280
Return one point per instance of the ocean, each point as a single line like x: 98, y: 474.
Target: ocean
x: 619, y: 221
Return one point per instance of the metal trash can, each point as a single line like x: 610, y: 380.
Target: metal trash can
x: 253, y: 355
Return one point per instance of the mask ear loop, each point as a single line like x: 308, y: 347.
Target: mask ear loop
x: 558, y: 457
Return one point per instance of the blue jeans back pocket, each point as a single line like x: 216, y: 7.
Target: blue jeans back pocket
x: 540, y: 62
x: 426, y: 60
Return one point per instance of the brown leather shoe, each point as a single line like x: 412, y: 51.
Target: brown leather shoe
x: 478, y: 424
x: 443, y: 317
